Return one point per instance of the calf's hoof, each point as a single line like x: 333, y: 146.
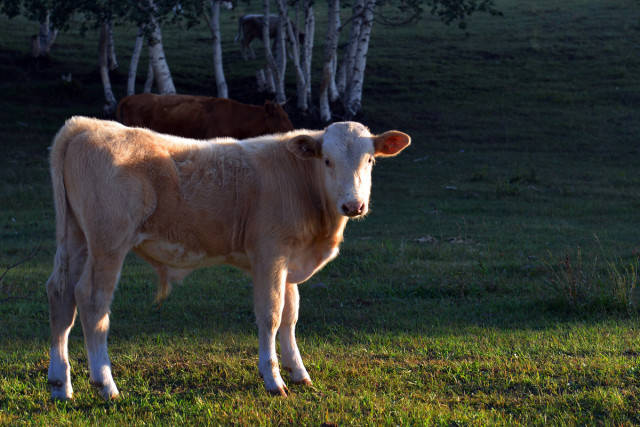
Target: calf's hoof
x: 299, y: 377
x: 305, y: 381
x: 279, y: 391
x: 60, y: 390
x: 106, y: 391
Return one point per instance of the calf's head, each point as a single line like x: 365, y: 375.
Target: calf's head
x: 345, y: 155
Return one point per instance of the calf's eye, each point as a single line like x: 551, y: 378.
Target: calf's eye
x: 327, y: 162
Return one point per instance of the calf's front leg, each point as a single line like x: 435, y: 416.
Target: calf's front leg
x: 291, y: 359
x: 268, y: 297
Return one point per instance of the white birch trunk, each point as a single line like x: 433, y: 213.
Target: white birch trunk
x: 301, y: 87
x: 346, y: 66
x: 272, y: 65
x: 214, y: 26
x: 113, y: 60
x: 307, y: 51
x: 103, y: 62
x: 148, y: 83
x: 281, y: 56
x: 133, y: 65
x: 271, y: 80
x: 161, y: 71
x: 41, y: 44
x: 52, y: 38
x: 261, y: 81
x: 330, y: 47
x: 341, y: 76
x: 353, y: 97
x: 265, y: 80
x: 43, y: 34
x: 333, y: 88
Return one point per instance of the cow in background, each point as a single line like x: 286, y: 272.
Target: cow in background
x: 250, y: 28
x: 274, y: 206
x: 202, y: 117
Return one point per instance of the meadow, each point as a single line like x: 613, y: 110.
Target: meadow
x: 495, y: 280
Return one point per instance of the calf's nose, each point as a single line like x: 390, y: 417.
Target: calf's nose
x: 353, y: 208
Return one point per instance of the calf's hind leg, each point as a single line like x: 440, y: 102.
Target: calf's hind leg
x: 70, y: 258
x: 94, y: 294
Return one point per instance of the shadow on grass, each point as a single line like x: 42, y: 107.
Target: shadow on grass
x: 199, y: 308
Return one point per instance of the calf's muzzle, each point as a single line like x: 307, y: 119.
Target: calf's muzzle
x: 353, y: 208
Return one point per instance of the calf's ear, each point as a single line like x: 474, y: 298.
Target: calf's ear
x: 305, y: 147
x: 390, y: 143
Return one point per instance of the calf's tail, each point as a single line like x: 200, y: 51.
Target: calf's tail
x: 71, y: 128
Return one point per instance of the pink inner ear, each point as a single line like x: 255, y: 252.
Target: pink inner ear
x: 393, y: 144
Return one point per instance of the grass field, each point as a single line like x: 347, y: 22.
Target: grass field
x: 494, y: 281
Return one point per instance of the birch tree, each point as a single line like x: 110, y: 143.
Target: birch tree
x: 349, y: 78
x: 111, y: 47
x: 214, y: 25
x: 345, y: 70
x: 277, y: 68
x: 307, y: 51
x: 301, y: 55
x: 36, y: 10
x: 330, y: 52
x: 103, y: 63
x: 352, y: 98
x: 148, y: 83
x: 135, y: 58
x: 340, y: 79
x: 46, y: 37
x: 295, y: 54
x: 161, y: 72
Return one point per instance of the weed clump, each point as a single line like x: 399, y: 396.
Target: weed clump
x: 610, y: 284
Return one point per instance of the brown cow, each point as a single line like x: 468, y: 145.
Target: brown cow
x: 202, y: 117
x: 275, y: 206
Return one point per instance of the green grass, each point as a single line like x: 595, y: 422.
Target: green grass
x: 494, y: 282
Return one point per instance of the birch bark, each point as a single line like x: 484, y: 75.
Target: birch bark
x: 307, y: 52
x: 333, y: 88
x: 301, y: 86
x: 272, y: 64
x: 112, y: 59
x: 161, y: 71
x: 346, y: 66
x: 133, y: 65
x: 148, y: 83
x: 330, y: 48
x: 41, y: 44
x: 103, y: 62
x: 353, y: 97
x: 261, y: 81
x: 214, y: 26
x: 281, y: 56
x: 47, y: 35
